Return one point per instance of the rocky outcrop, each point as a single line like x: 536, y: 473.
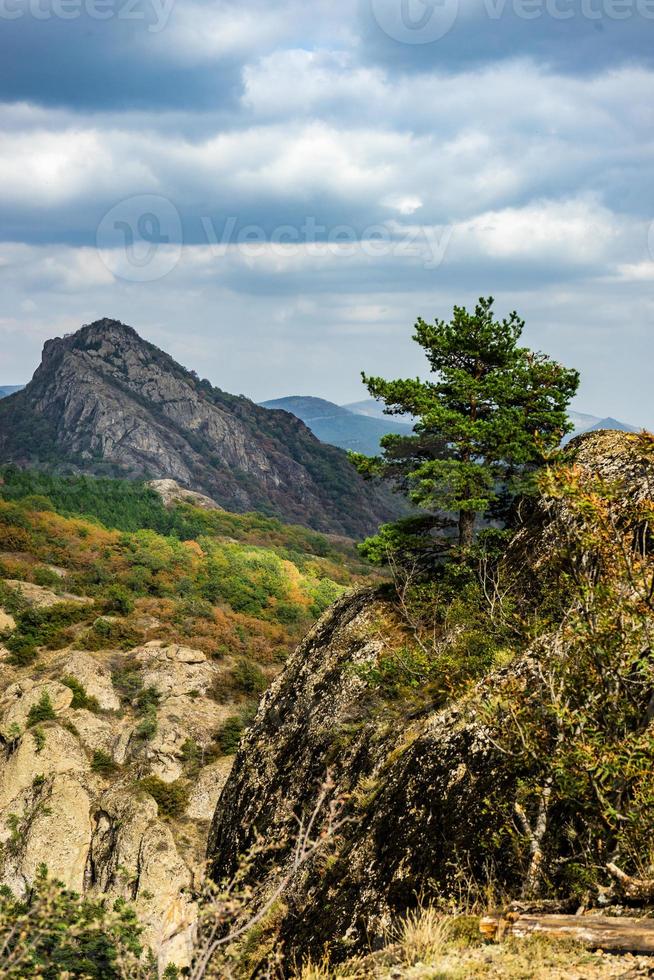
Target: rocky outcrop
x: 70, y: 781
x: 94, y: 677
x: 426, y: 798
x: 41, y: 598
x: 172, y: 493
x: 104, y: 397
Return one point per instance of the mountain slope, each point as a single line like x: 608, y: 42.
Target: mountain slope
x: 150, y: 637
x: 105, y: 401
x: 6, y: 390
x: 338, y: 426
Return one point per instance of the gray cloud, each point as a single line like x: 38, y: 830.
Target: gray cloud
x: 510, y: 156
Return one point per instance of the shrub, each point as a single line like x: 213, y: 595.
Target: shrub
x: 107, y: 633
x: 127, y: 681
x: 229, y: 734
x: 46, y: 577
x: 41, y: 711
x: 147, y: 700
x: 39, y: 738
x: 103, y: 764
x: 22, y: 652
x: 42, y: 627
x: 171, y: 798
x: 54, y: 933
x: 37, y: 501
x: 118, y: 600
x: 80, y: 698
x: 248, y: 678
x: 147, y: 728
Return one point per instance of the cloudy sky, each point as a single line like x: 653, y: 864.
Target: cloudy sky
x: 274, y: 191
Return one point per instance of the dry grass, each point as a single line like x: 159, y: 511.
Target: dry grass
x: 429, y: 946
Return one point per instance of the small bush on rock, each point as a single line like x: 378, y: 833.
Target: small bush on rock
x: 171, y: 798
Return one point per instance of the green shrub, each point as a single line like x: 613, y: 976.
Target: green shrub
x: 42, y: 628
x: 147, y: 700
x: 118, y: 600
x: 54, y: 933
x: 42, y: 711
x: 11, y: 600
x: 103, y: 764
x: 171, y: 798
x: 39, y: 738
x: 127, y: 681
x: 22, y: 652
x: 108, y: 633
x: 37, y: 501
x: 229, y: 734
x: 248, y: 678
x: 147, y: 728
x: 46, y: 577
x: 80, y: 698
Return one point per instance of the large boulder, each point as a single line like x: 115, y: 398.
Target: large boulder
x: 94, y: 677
x: 174, y: 670
x: 431, y: 804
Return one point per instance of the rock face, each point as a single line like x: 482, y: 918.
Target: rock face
x: 93, y: 826
x: 103, y: 396
x: 171, y: 493
x: 426, y: 801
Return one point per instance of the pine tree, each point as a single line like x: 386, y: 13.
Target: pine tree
x: 491, y: 411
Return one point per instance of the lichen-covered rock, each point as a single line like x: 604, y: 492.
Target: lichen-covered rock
x: 100, y: 734
x: 94, y: 677
x: 49, y: 751
x: 17, y: 700
x: 174, y: 670
x: 132, y: 854
x: 172, y: 493
x: 55, y: 811
x: 207, y: 789
x: 7, y: 623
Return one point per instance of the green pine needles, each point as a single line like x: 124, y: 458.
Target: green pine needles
x: 491, y: 412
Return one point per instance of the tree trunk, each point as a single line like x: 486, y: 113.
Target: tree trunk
x: 466, y: 528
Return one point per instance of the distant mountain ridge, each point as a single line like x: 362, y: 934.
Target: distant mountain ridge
x: 337, y: 425
x: 6, y: 390
x: 105, y: 401
x: 371, y: 408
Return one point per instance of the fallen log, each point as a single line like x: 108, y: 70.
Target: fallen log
x: 613, y: 934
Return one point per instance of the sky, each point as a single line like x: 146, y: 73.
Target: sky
x: 273, y: 192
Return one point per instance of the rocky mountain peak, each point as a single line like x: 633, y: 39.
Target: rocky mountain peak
x: 106, y: 401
